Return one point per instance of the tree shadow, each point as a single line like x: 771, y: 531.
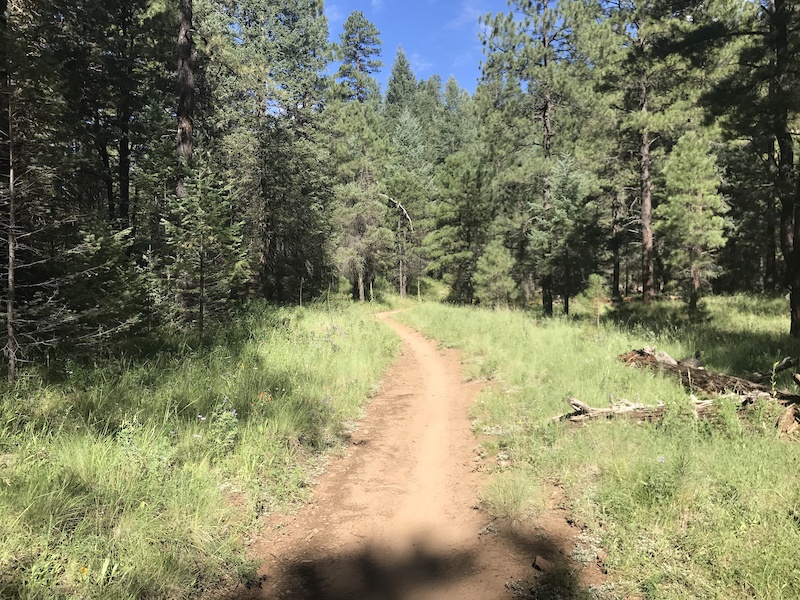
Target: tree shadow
x: 380, y: 573
x: 724, y: 347
x: 558, y: 576
x: 371, y: 573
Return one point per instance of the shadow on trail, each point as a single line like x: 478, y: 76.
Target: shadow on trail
x: 376, y: 574
x: 379, y: 573
x: 558, y: 576
x: 372, y: 573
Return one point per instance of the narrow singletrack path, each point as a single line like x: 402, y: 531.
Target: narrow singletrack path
x: 396, y: 517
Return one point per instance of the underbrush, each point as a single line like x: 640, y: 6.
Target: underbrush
x: 138, y: 478
x: 685, y: 509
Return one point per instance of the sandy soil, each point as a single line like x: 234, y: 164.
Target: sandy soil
x: 397, y: 517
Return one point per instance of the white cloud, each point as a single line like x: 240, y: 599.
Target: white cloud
x: 376, y: 4
x: 468, y: 14
x: 334, y: 13
x: 419, y: 63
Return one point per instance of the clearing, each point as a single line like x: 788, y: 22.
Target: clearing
x: 397, y: 516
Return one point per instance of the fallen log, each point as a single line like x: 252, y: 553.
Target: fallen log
x: 708, y: 382
x: 636, y: 412
x: 584, y: 412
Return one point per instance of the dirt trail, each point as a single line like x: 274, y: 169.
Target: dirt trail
x: 396, y: 517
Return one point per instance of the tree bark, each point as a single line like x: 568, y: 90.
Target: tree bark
x: 186, y: 99
x: 615, y: 248
x: 361, y: 293
x: 11, y: 334
x: 547, y: 295
x: 7, y: 183
x: 786, y: 191
x: 648, y: 278
x: 547, y: 144
x: 124, y: 167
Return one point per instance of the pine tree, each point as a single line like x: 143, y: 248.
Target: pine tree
x: 463, y: 215
x: 360, y: 47
x: 402, y: 86
x: 494, y: 285
x: 690, y: 221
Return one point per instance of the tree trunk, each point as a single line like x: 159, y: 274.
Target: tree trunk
x: 401, y: 254
x: 201, y: 320
x: 648, y: 277
x: 694, y: 292
x: 547, y: 295
x: 185, y: 94
x: 108, y: 179
x: 11, y: 341
x: 7, y: 184
x: 788, y: 193
x: 361, y: 293
x: 547, y: 141
x: 11, y: 334
x: 124, y: 167
x: 615, y: 249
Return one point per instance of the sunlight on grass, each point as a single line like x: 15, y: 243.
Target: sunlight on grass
x: 513, y: 496
x: 138, y: 479
x: 685, y: 509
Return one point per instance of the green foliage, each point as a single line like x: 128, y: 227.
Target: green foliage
x: 461, y: 213
x: 401, y: 87
x: 139, y: 478
x: 209, y: 264
x: 564, y: 236
x: 683, y: 508
x: 359, y: 48
x: 493, y: 283
x: 690, y: 221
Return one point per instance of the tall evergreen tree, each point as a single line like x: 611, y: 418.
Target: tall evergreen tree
x: 402, y: 86
x: 360, y: 47
x: 690, y: 219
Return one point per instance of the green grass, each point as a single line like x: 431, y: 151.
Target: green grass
x: 685, y: 509
x: 138, y: 478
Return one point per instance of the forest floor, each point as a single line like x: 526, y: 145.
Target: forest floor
x: 397, y: 515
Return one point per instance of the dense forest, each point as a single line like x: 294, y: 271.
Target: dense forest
x: 163, y: 162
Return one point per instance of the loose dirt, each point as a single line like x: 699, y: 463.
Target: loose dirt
x: 397, y: 517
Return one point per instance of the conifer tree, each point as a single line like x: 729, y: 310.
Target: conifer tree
x: 402, y: 86
x: 494, y: 285
x: 360, y: 47
x: 690, y: 220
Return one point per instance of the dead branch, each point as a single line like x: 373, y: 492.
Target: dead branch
x: 708, y: 382
x: 783, y: 365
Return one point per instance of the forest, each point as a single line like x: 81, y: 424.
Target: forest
x: 204, y: 202
x: 649, y: 143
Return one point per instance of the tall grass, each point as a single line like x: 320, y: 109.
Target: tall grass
x: 137, y: 478
x: 685, y: 509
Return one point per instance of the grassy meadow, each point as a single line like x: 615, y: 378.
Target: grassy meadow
x: 141, y: 478
x: 685, y: 509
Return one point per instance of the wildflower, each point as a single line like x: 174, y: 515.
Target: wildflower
x: 201, y: 417
x: 225, y: 399
x: 197, y: 435
x: 661, y: 459
x: 84, y: 570
x: 233, y: 412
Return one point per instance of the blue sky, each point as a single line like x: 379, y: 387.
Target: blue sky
x: 440, y: 37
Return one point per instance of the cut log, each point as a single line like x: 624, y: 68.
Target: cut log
x: 709, y: 382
